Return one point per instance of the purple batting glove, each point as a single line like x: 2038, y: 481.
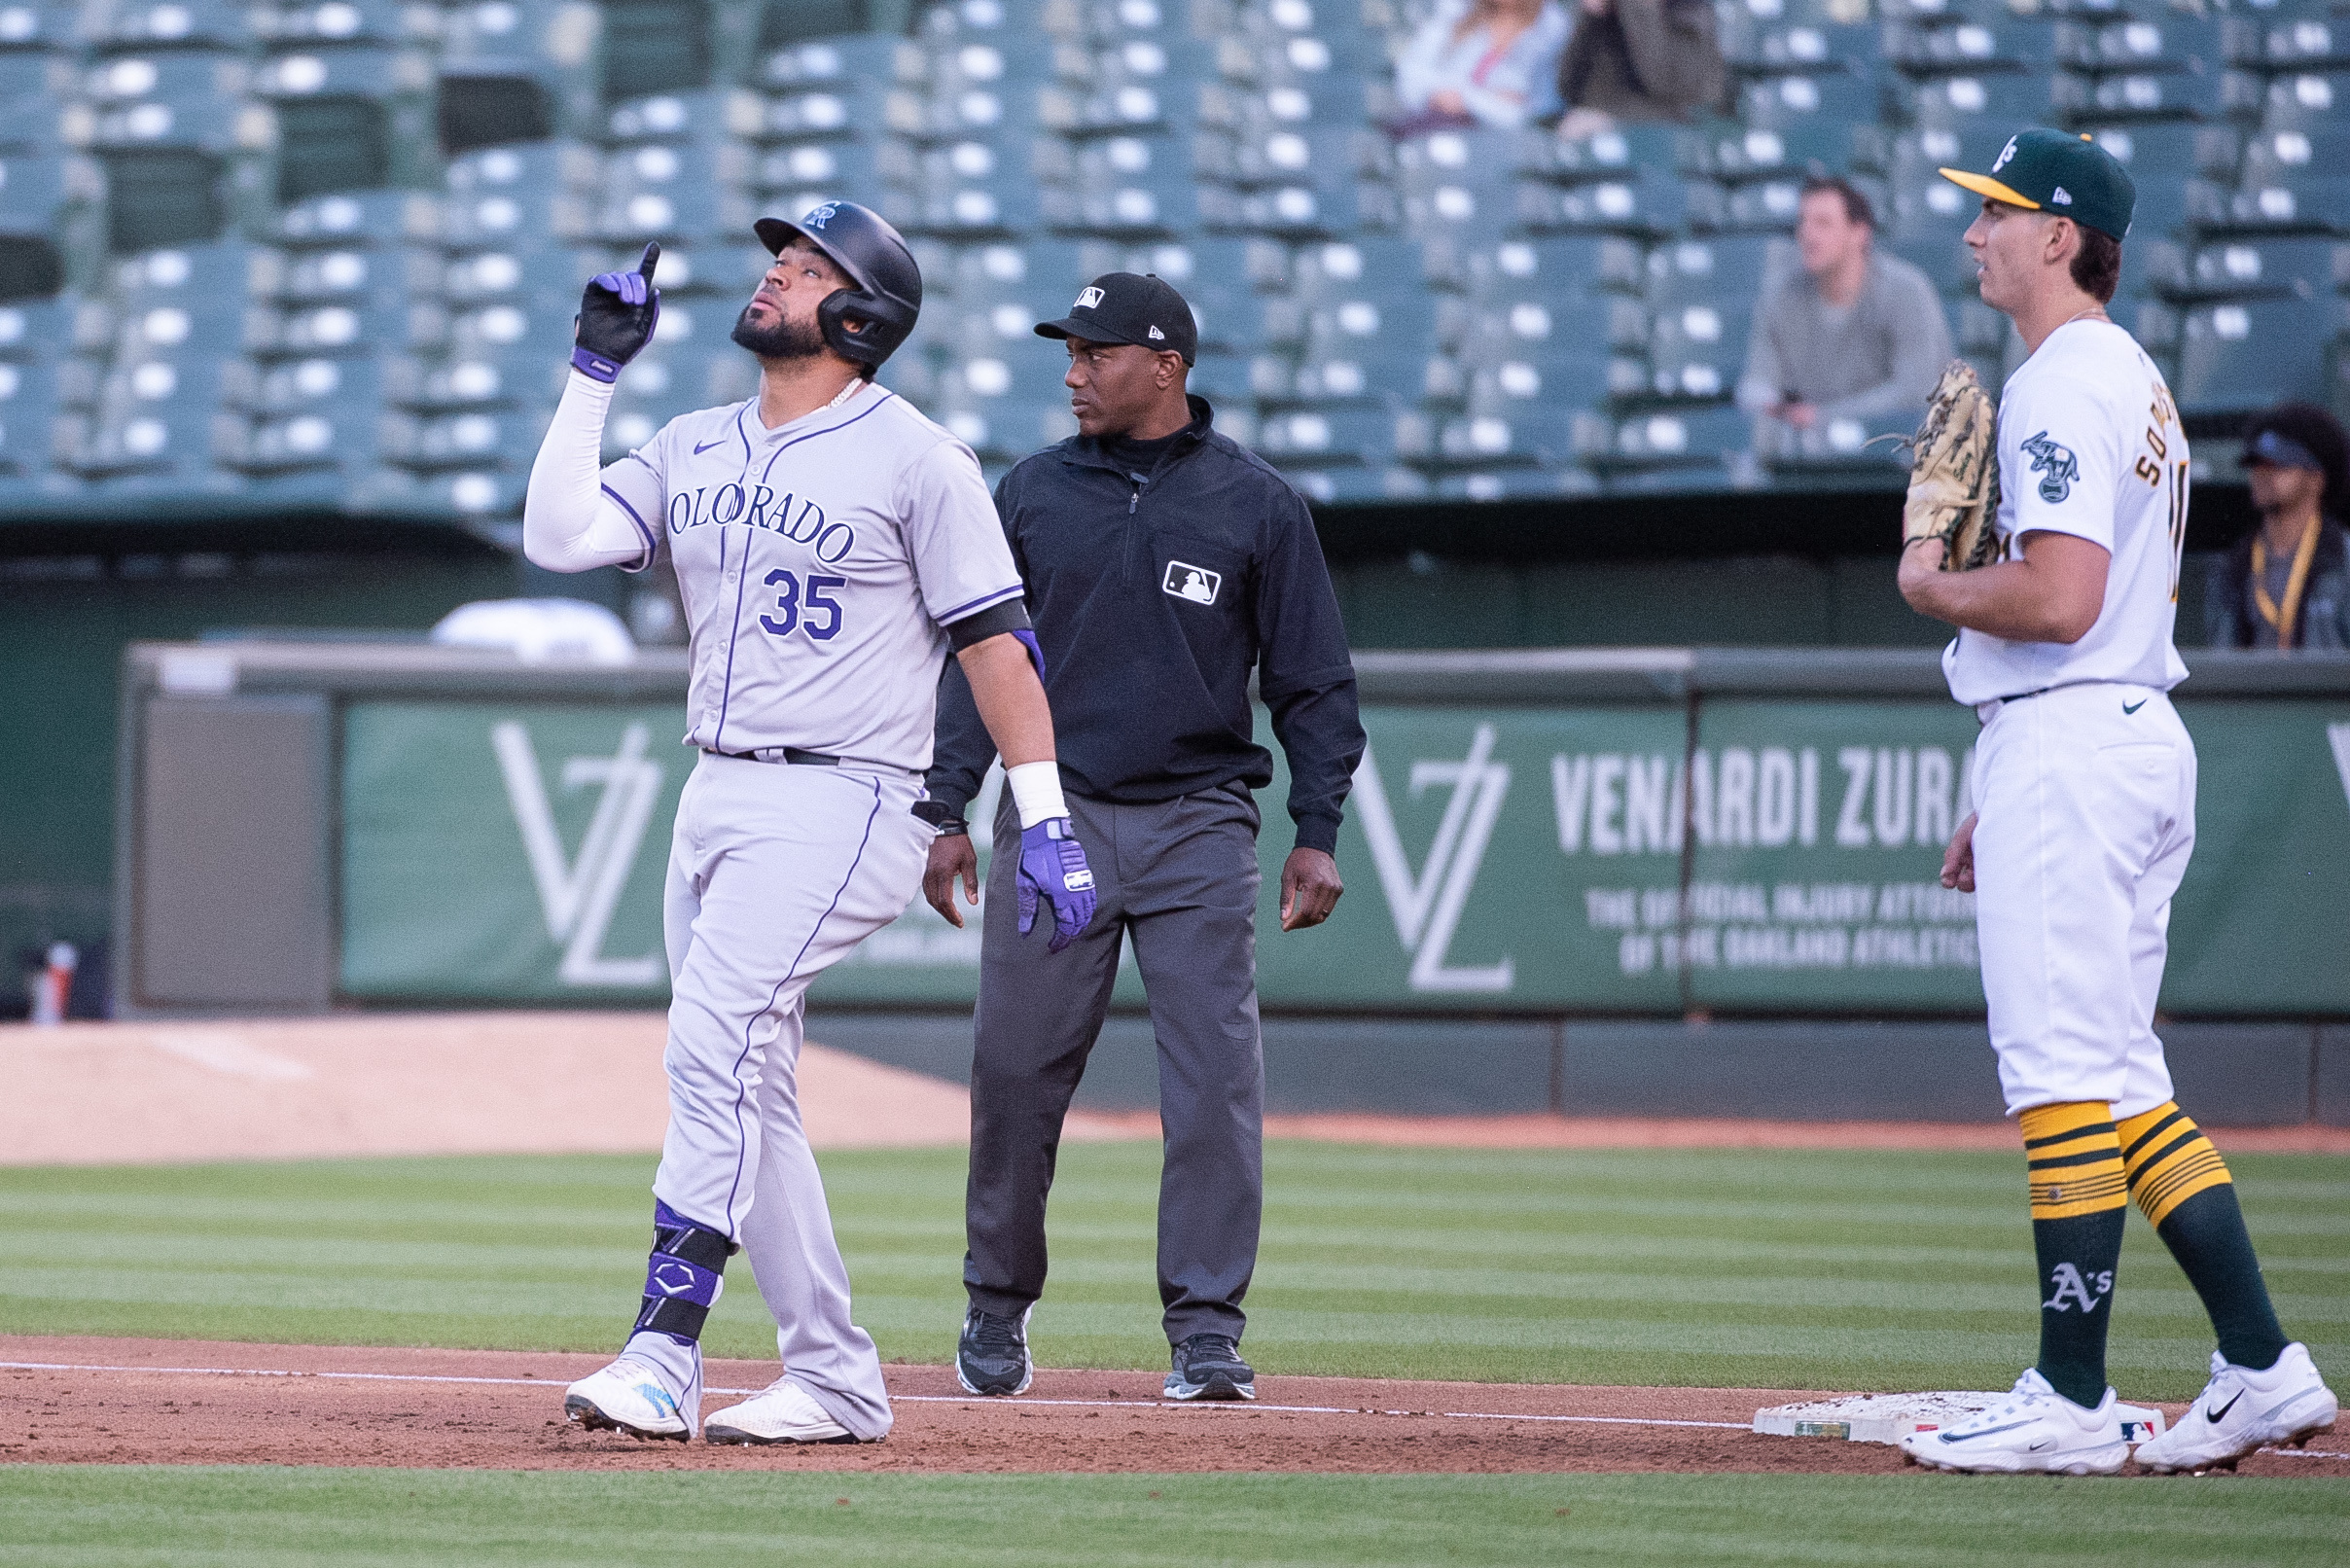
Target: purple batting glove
x: 617, y: 312
x: 1053, y: 866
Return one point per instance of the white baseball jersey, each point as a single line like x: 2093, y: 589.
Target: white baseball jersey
x: 818, y: 562
x: 2090, y: 445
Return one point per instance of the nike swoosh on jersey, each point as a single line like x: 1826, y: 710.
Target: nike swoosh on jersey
x: 700, y: 447
x: 2215, y: 1416
x: 2132, y: 707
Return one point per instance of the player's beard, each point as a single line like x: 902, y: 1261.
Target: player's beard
x: 786, y: 340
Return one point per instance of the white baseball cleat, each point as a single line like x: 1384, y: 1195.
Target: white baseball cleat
x: 783, y: 1412
x: 2034, y: 1430
x: 629, y: 1396
x: 2241, y: 1411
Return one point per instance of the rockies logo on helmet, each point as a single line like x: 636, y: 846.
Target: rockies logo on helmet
x: 866, y: 321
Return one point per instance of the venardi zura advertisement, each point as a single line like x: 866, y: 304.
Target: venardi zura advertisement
x: 1730, y: 854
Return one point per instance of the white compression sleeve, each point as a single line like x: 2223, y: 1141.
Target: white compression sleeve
x: 569, y: 524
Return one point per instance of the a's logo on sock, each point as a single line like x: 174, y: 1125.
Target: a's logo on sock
x: 2072, y: 1286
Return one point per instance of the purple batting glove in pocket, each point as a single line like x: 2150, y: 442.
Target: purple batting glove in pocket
x: 1053, y: 866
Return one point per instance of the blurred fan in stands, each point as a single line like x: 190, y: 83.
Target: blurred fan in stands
x: 1640, y: 59
x: 1849, y: 335
x: 1482, y: 62
x: 2287, y: 583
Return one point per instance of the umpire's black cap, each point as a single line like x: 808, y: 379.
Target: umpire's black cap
x: 1129, y: 308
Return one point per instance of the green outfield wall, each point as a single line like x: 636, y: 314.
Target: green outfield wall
x: 1619, y: 833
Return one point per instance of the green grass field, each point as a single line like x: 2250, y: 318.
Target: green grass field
x: 250, y: 1519
x: 1753, y: 1269
x: 1769, y: 1268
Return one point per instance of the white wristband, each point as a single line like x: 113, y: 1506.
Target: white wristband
x: 1036, y: 789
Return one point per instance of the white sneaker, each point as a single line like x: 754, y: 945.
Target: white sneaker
x: 2035, y: 1430
x: 2241, y: 1411
x: 783, y: 1412
x: 630, y: 1396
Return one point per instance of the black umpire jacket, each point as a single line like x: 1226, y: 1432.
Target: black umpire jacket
x: 1153, y: 595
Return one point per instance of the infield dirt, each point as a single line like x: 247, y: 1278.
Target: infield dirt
x: 98, y: 1401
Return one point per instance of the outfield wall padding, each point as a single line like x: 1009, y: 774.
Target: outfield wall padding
x: 1620, y: 837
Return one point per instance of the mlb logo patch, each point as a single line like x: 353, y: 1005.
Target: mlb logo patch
x: 1086, y: 298
x: 1193, y: 582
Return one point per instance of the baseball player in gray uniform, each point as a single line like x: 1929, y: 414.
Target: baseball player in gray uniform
x: 831, y: 545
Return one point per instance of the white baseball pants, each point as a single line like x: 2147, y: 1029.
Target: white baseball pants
x: 2087, y: 796
x: 775, y: 872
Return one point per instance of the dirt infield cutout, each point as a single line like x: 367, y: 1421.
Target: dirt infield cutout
x: 99, y: 1401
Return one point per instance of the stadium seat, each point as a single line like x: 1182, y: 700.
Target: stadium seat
x: 1547, y: 434
x: 1320, y: 435
x: 168, y: 98
x: 345, y: 22
x: 28, y: 406
x: 2305, y: 101
x: 819, y: 63
x: 1498, y: 272
x: 304, y: 386
x: 2008, y: 98
x: 158, y: 417
x: 177, y: 24
x: 1654, y: 206
x: 2241, y: 356
x: 1678, y: 436
x: 2253, y: 268
x: 2299, y: 177
x: 361, y: 217
x: 522, y: 198
x: 36, y: 189
x: 2156, y: 44
x: 1795, y: 104
x: 1697, y: 350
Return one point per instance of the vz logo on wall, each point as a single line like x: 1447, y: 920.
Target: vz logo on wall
x: 580, y: 892
x: 1193, y: 582
x: 1427, y: 907
x: 2056, y: 464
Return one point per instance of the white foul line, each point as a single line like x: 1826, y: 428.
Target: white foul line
x: 894, y: 1398
x: 963, y: 1399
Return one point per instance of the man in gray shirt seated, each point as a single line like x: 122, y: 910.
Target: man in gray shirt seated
x: 1848, y: 344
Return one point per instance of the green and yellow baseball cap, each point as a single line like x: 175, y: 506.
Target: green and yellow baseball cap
x: 2043, y: 170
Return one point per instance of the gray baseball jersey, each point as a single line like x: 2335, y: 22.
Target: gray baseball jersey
x: 818, y: 562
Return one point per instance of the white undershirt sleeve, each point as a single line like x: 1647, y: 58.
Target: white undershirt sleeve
x: 571, y: 520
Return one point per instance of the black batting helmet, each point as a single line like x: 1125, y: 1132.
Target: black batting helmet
x: 886, y: 291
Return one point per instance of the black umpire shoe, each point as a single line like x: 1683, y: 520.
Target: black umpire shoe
x: 1208, y: 1366
x: 992, y: 1355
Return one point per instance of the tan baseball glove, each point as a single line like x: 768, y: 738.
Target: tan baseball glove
x: 1954, y: 473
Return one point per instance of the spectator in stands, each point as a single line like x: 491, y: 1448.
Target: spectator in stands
x: 2287, y: 583
x: 1482, y: 62
x: 1639, y: 59
x: 1849, y: 334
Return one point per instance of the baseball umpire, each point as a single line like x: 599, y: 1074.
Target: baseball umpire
x: 2085, y: 784
x: 1164, y: 564
x: 831, y: 545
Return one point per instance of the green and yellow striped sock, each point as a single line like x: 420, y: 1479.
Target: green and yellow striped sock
x: 2182, y: 1186
x: 2079, y: 1199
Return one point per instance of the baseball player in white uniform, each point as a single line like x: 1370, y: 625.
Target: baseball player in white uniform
x: 831, y: 545
x: 2085, y: 784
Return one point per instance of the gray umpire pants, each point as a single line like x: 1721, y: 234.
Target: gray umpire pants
x: 1181, y: 878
